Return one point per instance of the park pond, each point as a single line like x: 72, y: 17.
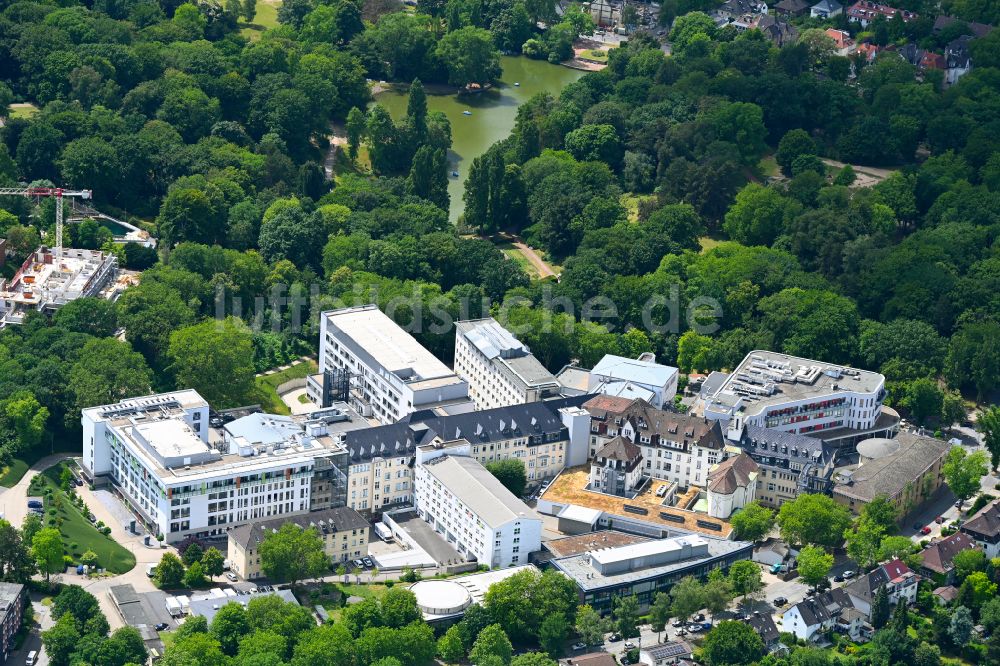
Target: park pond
x: 493, y: 113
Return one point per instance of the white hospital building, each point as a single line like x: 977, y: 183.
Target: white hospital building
x: 500, y: 369
x: 156, y: 454
x: 835, y: 403
x: 472, y: 510
x: 384, y: 371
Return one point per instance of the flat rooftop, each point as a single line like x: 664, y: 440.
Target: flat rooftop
x: 765, y: 378
x: 387, y: 344
x: 581, y: 543
x: 500, y: 346
x: 155, y: 427
x: 633, y: 370
x: 44, y: 278
x: 588, y: 577
x: 570, y: 487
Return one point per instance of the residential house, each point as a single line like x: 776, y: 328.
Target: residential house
x: 665, y: 654
x: 978, y: 30
x: 791, y: 8
x: 344, y: 533
x: 958, y: 59
x: 826, y: 9
x: 732, y: 484
x: 936, y: 562
x: 866, y: 12
x: 842, y: 41
x: 984, y: 528
x: 815, y: 615
x: 868, y: 51
x: 675, y: 447
x: 790, y: 464
x: 616, y: 469
x: 778, y: 32
x: 764, y: 625
x: 738, y: 13
x: 854, y: 623
x: 900, y: 585
x: 945, y: 594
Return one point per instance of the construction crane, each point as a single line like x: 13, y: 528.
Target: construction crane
x: 56, y: 192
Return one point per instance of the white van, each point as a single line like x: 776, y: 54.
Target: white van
x: 32, y: 658
x: 150, y: 570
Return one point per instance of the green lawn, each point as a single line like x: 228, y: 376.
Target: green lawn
x: 267, y: 394
x: 22, y: 110
x: 77, y: 529
x: 267, y: 17
x: 18, y: 467
x: 597, y: 55
x: 332, y: 602
x: 707, y: 243
x: 519, y: 258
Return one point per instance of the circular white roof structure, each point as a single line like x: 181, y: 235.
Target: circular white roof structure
x: 441, y: 597
x: 877, y: 447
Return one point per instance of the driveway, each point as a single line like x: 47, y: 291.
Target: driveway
x: 14, y: 500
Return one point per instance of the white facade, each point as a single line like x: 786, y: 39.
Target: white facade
x: 155, y: 450
x: 500, y: 370
x: 392, y: 375
x: 634, y: 378
x: 474, y: 512
x: 797, y: 395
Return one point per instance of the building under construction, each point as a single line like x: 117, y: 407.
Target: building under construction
x: 47, y: 281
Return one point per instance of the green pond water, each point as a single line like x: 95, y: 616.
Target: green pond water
x: 493, y: 113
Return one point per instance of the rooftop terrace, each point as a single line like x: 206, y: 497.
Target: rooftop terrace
x: 570, y: 487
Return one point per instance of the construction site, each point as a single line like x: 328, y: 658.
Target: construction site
x: 51, y: 277
x: 46, y: 282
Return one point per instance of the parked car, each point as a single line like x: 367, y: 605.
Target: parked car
x: 700, y: 617
x: 35, y: 504
x: 850, y: 573
x: 231, y: 576
x: 839, y: 578
x: 925, y: 530
x: 358, y: 564
x: 162, y: 626
x: 780, y: 601
x: 368, y: 562
x: 615, y: 637
x: 629, y: 645
x: 578, y: 646
x: 681, y: 632
x: 939, y: 520
x: 677, y: 623
x: 32, y: 658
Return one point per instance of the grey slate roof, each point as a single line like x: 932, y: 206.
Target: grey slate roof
x: 250, y: 535
x: 531, y: 420
x: 986, y: 521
